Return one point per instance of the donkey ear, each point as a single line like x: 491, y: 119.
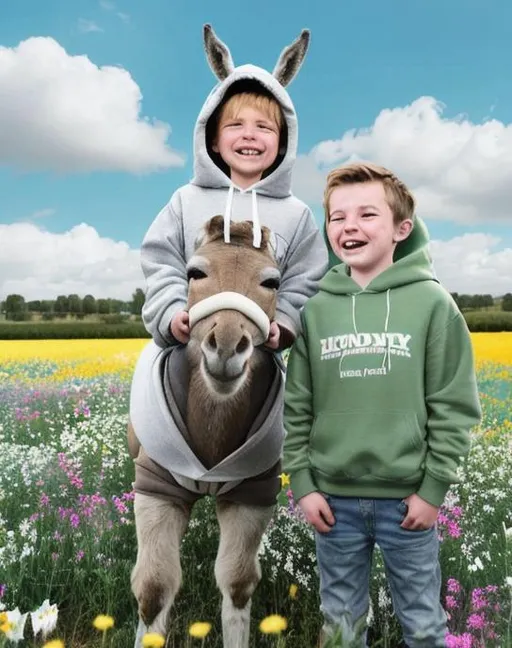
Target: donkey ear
x: 218, y: 55
x: 214, y: 226
x: 291, y: 58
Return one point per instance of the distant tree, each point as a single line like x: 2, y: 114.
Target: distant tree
x: 506, y: 302
x: 137, y: 303
x: 103, y: 306
x: 34, y: 306
x: 74, y: 304
x: 488, y: 301
x: 62, y: 305
x: 455, y: 297
x: 47, y: 305
x: 15, y: 307
x: 116, y: 305
x: 465, y: 301
x: 89, y: 306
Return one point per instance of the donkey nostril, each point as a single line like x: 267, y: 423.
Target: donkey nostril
x: 243, y: 345
x: 211, y: 341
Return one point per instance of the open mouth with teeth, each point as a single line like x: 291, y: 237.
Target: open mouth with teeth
x: 353, y: 245
x: 249, y: 152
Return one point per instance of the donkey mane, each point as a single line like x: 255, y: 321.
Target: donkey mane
x: 241, y: 233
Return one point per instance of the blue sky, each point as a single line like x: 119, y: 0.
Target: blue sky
x: 441, y: 68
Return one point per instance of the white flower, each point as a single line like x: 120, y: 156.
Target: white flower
x: 508, y: 532
x: 17, y: 623
x: 44, y: 619
x: 476, y: 565
x: 508, y: 581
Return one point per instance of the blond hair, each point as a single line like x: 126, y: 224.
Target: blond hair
x: 399, y: 198
x: 265, y: 104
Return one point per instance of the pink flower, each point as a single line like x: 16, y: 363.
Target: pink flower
x: 453, y: 586
x: 476, y: 621
x: 451, y: 602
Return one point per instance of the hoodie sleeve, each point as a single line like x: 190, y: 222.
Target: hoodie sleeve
x: 298, y: 419
x: 164, y: 267
x: 453, y: 406
x: 305, y: 264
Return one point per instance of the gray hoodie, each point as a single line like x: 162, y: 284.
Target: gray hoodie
x: 169, y: 243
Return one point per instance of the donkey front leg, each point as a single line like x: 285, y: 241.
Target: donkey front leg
x: 237, y: 568
x: 156, y: 577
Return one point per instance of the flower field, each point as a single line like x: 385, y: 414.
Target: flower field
x: 67, y: 538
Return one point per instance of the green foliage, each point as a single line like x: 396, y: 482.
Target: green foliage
x: 491, y: 321
x: 506, y: 303
x: 71, y: 330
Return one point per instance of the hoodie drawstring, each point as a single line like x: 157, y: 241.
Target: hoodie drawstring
x: 256, y: 225
x: 387, y: 352
x: 227, y: 214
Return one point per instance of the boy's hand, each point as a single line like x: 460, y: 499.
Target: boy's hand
x: 273, y: 336
x: 317, y: 511
x: 179, y: 327
x: 420, y: 515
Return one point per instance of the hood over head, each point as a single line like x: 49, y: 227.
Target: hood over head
x: 208, y: 168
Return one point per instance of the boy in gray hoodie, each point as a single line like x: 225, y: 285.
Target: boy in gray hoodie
x: 245, y: 144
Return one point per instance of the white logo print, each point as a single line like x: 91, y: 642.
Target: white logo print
x: 386, y: 344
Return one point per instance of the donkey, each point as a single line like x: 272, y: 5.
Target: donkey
x: 232, y: 299
x: 223, y: 392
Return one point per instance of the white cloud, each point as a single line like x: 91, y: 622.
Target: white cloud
x: 42, y: 213
x: 63, y: 113
x: 458, y: 170
x: 106, y: 5
x: 469, y: 264
x: 42, y: 265
x: 88, y: 26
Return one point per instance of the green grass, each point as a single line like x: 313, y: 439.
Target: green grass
x: 52, y: 455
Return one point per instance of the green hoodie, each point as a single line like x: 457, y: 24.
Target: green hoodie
x: 380, y: 390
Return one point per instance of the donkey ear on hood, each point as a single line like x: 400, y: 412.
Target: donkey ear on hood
x: 291, y: 58
x: 217, y: 53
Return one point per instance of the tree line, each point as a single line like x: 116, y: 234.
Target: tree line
x: 16, y: 308
x: 479, y: 302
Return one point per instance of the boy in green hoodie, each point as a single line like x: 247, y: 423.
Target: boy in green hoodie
x: 380, y: 398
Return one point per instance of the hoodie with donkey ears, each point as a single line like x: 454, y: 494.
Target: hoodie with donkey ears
x: 381, y: 391
x: 296, y: 239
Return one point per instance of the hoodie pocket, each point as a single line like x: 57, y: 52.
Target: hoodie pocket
x: 386, y: 444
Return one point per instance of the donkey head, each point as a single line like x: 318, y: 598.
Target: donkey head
x: 287, y: 66
x: 231, y: 299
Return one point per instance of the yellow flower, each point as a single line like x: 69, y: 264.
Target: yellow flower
x: 103, y: 622
x: 6, y: 626
x: 273, y: 624
x: 3, y: 617
x: 199, y: 629
x: 285, y: 479
x: 153, y: 640
x: 56, y: 643
x: 293, y: 591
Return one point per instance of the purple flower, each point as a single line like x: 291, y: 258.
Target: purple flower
x: 453, y: 585
x: 476, y: 621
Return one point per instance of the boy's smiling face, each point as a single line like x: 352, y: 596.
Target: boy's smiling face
x: 248, y: 143
x: 362, y: 231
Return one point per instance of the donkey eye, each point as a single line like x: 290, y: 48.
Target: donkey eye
x: 195, y: 273
x: 272, y: 283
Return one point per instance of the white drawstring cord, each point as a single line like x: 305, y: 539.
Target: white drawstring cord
x: 227, y: 214
x: 256, y: 227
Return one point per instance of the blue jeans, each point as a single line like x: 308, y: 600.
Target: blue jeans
x: 410, y: 558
